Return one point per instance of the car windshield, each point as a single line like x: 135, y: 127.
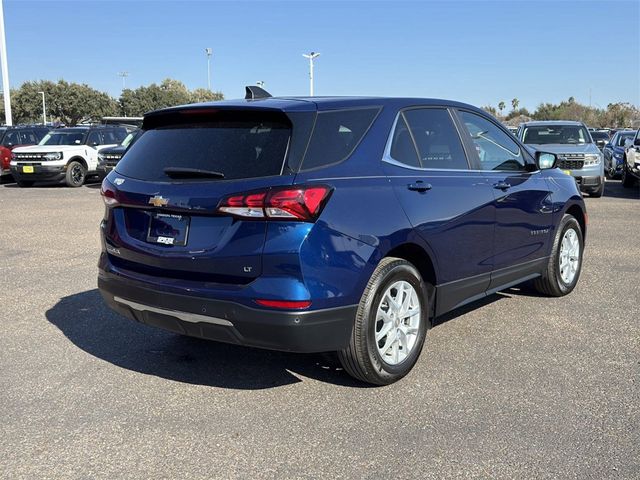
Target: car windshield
x: 127, y: 140
x: 623, y: 137
x: 63, y: 138
x: 558, y: 134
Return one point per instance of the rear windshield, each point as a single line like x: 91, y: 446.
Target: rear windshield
x: 557, y: 134
x: 236, y: 144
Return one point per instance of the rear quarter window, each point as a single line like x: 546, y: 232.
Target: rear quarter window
x: 336, y: 134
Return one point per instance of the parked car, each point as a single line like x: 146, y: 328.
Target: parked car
x: 513, y: 130
x: 631, y: 162
x: 613, y: 152
x: 331, y: 224
x: 600, y: 137
x: 17, y: 136
x: 66, y: 155
x: 108, y: 157
x: 577, y: 153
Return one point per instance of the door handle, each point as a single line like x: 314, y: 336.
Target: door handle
x: 419, y: 186
x: 502, y: 185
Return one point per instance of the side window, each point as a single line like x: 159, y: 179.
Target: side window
x: 402, y: 147
x: 496, y: 150
x: 336, y: 134
x: 94, y: 139
x: 109, y: 138
x: 118, y: 135
x: 436, y: 138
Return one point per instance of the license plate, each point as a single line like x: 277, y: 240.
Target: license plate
x: 568, y: 172
x: 168, y: 229
x: 27, y: 169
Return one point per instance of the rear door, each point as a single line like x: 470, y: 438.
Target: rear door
x: 522, y: 199
x: 168, y: 226
x: 450, y: 206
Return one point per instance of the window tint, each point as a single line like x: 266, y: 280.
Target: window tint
x: 12, y: 137
x: 94, y: 138
x: 237, y: 144
x: 29, y: 137
x: 496, y: 149
x: 117, y: 136
x: 336, y: 134
x: 436, y: 138
x: 402, y: 148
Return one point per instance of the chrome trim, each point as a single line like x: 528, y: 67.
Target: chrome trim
x: 184, y: 316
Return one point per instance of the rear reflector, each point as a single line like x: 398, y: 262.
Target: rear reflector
x: 291, y: 305
x: 293, y: 203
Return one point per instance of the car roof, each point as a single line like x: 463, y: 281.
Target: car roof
x: 291, y: 104
x: 542, y: 123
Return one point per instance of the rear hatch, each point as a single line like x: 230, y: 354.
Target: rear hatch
x: 163, y: 197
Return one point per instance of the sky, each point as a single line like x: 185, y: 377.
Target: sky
x: 478, y: 52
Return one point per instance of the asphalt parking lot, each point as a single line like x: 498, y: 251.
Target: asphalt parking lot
x: 517, y: 386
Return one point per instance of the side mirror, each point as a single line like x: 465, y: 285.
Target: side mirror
x: 9, y: 145
x: 600, y: 143
x: 636, y: 142
x: 77, y: 142
x: 546, y: 160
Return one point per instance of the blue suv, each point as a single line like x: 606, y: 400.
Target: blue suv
x: 331, y: 224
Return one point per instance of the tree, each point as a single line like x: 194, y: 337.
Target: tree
x: 501, y: 106
x: 490, y: 109
x: 67, y: 102
x: 169, y: 93
x: 514, y: 103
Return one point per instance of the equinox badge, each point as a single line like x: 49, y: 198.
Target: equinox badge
x: 158, y: 201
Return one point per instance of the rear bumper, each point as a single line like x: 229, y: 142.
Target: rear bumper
x: 229, y: 322
x: 41, y: 173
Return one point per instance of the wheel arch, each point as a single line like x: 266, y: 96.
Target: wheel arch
x: 580, y: 215
x: 420, y: 258
x: 80, y: 160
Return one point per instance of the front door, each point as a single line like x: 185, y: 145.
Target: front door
x: 523, y: 204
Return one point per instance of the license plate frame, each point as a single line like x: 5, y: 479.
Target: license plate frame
x: 28, y: 169
x: 173, y: 232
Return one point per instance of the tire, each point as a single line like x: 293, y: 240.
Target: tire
x: 598, y: 192
x: 25, y: 183
x: 627, y: 180
x: 363, y: 359
x: 76, y: 174
x: 552, y: 282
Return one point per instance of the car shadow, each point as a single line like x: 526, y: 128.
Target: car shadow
x: 90, y: 325
x: 615, y: 189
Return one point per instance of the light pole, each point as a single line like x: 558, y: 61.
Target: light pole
x: 311, y: 56
x: 124, y: 75
x: 5, y: 70
x: 44, y: 109
x: 208, y: 52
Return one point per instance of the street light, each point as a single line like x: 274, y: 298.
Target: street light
x: 208, y: 52
x: 311, y: 56
x: 5, y: 70
x: 124, y: 75
x: 44, y: 109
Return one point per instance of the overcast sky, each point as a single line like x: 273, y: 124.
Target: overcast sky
x: 474, y: 51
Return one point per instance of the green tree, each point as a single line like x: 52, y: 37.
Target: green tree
x: 501, y: 106
x: 169, y: 93
x: 490, y: 109
x: 514, y: 103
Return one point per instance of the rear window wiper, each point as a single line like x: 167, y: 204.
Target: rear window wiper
x: 181, y: 172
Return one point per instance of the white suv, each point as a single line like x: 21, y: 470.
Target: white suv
x: 66, y: 155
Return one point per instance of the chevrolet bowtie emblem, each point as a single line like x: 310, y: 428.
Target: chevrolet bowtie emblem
x: 158, y: 201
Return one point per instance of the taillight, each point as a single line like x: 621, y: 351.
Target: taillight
x: 293, y: 203
x: 108, y: 193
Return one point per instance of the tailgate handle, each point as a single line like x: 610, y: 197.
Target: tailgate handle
x: 419, y: 186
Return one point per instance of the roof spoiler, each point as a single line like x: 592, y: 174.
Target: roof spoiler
x: 253, y: 92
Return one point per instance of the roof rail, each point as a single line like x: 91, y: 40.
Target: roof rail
x: 253, y: 92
